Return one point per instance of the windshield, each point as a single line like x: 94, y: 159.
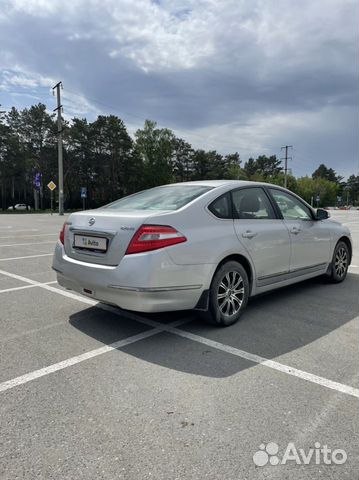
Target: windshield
x: 168, y: 197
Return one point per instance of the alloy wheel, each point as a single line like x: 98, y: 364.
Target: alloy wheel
x: 341, y: 262
x: 230, y: 293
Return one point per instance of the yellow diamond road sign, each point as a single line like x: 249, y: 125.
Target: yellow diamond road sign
x: 51, y: 185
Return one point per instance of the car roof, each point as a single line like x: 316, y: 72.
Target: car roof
x: 229, y: 183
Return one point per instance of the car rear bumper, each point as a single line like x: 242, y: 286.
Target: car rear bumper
x: 148, y: 282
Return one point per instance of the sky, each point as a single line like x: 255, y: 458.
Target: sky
x: 245, y: 75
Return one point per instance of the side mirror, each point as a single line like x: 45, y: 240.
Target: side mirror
x: 321, y: 214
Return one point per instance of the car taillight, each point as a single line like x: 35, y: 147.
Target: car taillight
x: 152, y: 237
x: 62, y: 234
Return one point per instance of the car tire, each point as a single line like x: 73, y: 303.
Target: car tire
x: 340, y: 263
x: 228, y: 295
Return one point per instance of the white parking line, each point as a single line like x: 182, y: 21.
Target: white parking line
x: 73, y: 361
x: 64, y: 293
x: 324, y: 382
x: 28, y: 377
x: 23, y: 244
x: 14, y: 289
x: 340, y: 387
x: 157, y: 328
x: 26, y: 256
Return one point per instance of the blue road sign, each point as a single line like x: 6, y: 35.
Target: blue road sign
x: 83, y: 192
x: 37, y: 180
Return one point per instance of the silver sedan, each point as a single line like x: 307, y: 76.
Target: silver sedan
x: 206, y: 245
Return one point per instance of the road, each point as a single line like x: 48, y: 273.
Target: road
x: 94, y: 393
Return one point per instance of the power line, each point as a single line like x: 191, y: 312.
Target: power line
x: 286, y: 158
x: 58, y: 88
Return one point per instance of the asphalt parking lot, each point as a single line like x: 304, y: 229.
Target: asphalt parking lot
x: 94, y: 393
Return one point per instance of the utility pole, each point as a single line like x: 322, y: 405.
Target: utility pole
x: 59, y: 86
x: 286, y: 158
x: 2, y: 184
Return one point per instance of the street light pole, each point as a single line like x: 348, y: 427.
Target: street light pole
x: 58, y: 86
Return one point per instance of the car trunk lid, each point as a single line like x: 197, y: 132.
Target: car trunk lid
x: 102, y: 236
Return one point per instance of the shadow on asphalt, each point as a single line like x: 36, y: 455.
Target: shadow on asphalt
x: 273, y: 324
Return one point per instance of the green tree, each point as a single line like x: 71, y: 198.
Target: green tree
x: 250, y: 167
x: 38, y: 135
x: 78, y: 162
x: 182, y: 161
x: 208, y: 165
x: 233, y: 170
x: 310, y: 188
x: 326, y: 173
x: 263, y: 166
x: 156, y: 146
x: 102, y: 157
x: 12, y: 161
x: 291, y: 181
x: 112, y: 149
x: 352, y: 185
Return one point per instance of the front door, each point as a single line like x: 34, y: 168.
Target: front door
x: 310, y: 238
x: 264, y: 236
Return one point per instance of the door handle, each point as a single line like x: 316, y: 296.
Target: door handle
x: 295, y: 230
x: 248, y: 234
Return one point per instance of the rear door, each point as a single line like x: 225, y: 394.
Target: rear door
x: 310, y: 238
x: 264, y: 236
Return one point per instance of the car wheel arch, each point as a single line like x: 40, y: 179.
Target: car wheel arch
x: 348, y: 243
x: 237, y: 257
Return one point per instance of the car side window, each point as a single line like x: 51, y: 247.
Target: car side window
x: 221, y: 207
x: 290, y: 207
x: 252, y: 203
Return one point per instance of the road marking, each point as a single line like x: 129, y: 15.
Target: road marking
x: 27, y: 256
x: 171, y: 328
x: 28, y: 377
x: 30, y: 235
x: 73, y: 361
x: 243, y: 354
x: 324, y: 382
x: 23, y: 244
x: 64, y: 293
x: 14, y: 289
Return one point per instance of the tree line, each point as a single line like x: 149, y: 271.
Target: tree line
x: 102, y: 157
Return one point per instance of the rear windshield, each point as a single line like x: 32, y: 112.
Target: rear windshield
x: 168, y: 197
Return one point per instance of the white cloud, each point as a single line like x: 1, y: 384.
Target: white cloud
x: 18, y: 77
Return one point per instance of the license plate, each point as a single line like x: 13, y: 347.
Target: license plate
x: 90, y: 243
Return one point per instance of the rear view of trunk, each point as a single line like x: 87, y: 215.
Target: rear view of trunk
x: 101, y: 237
